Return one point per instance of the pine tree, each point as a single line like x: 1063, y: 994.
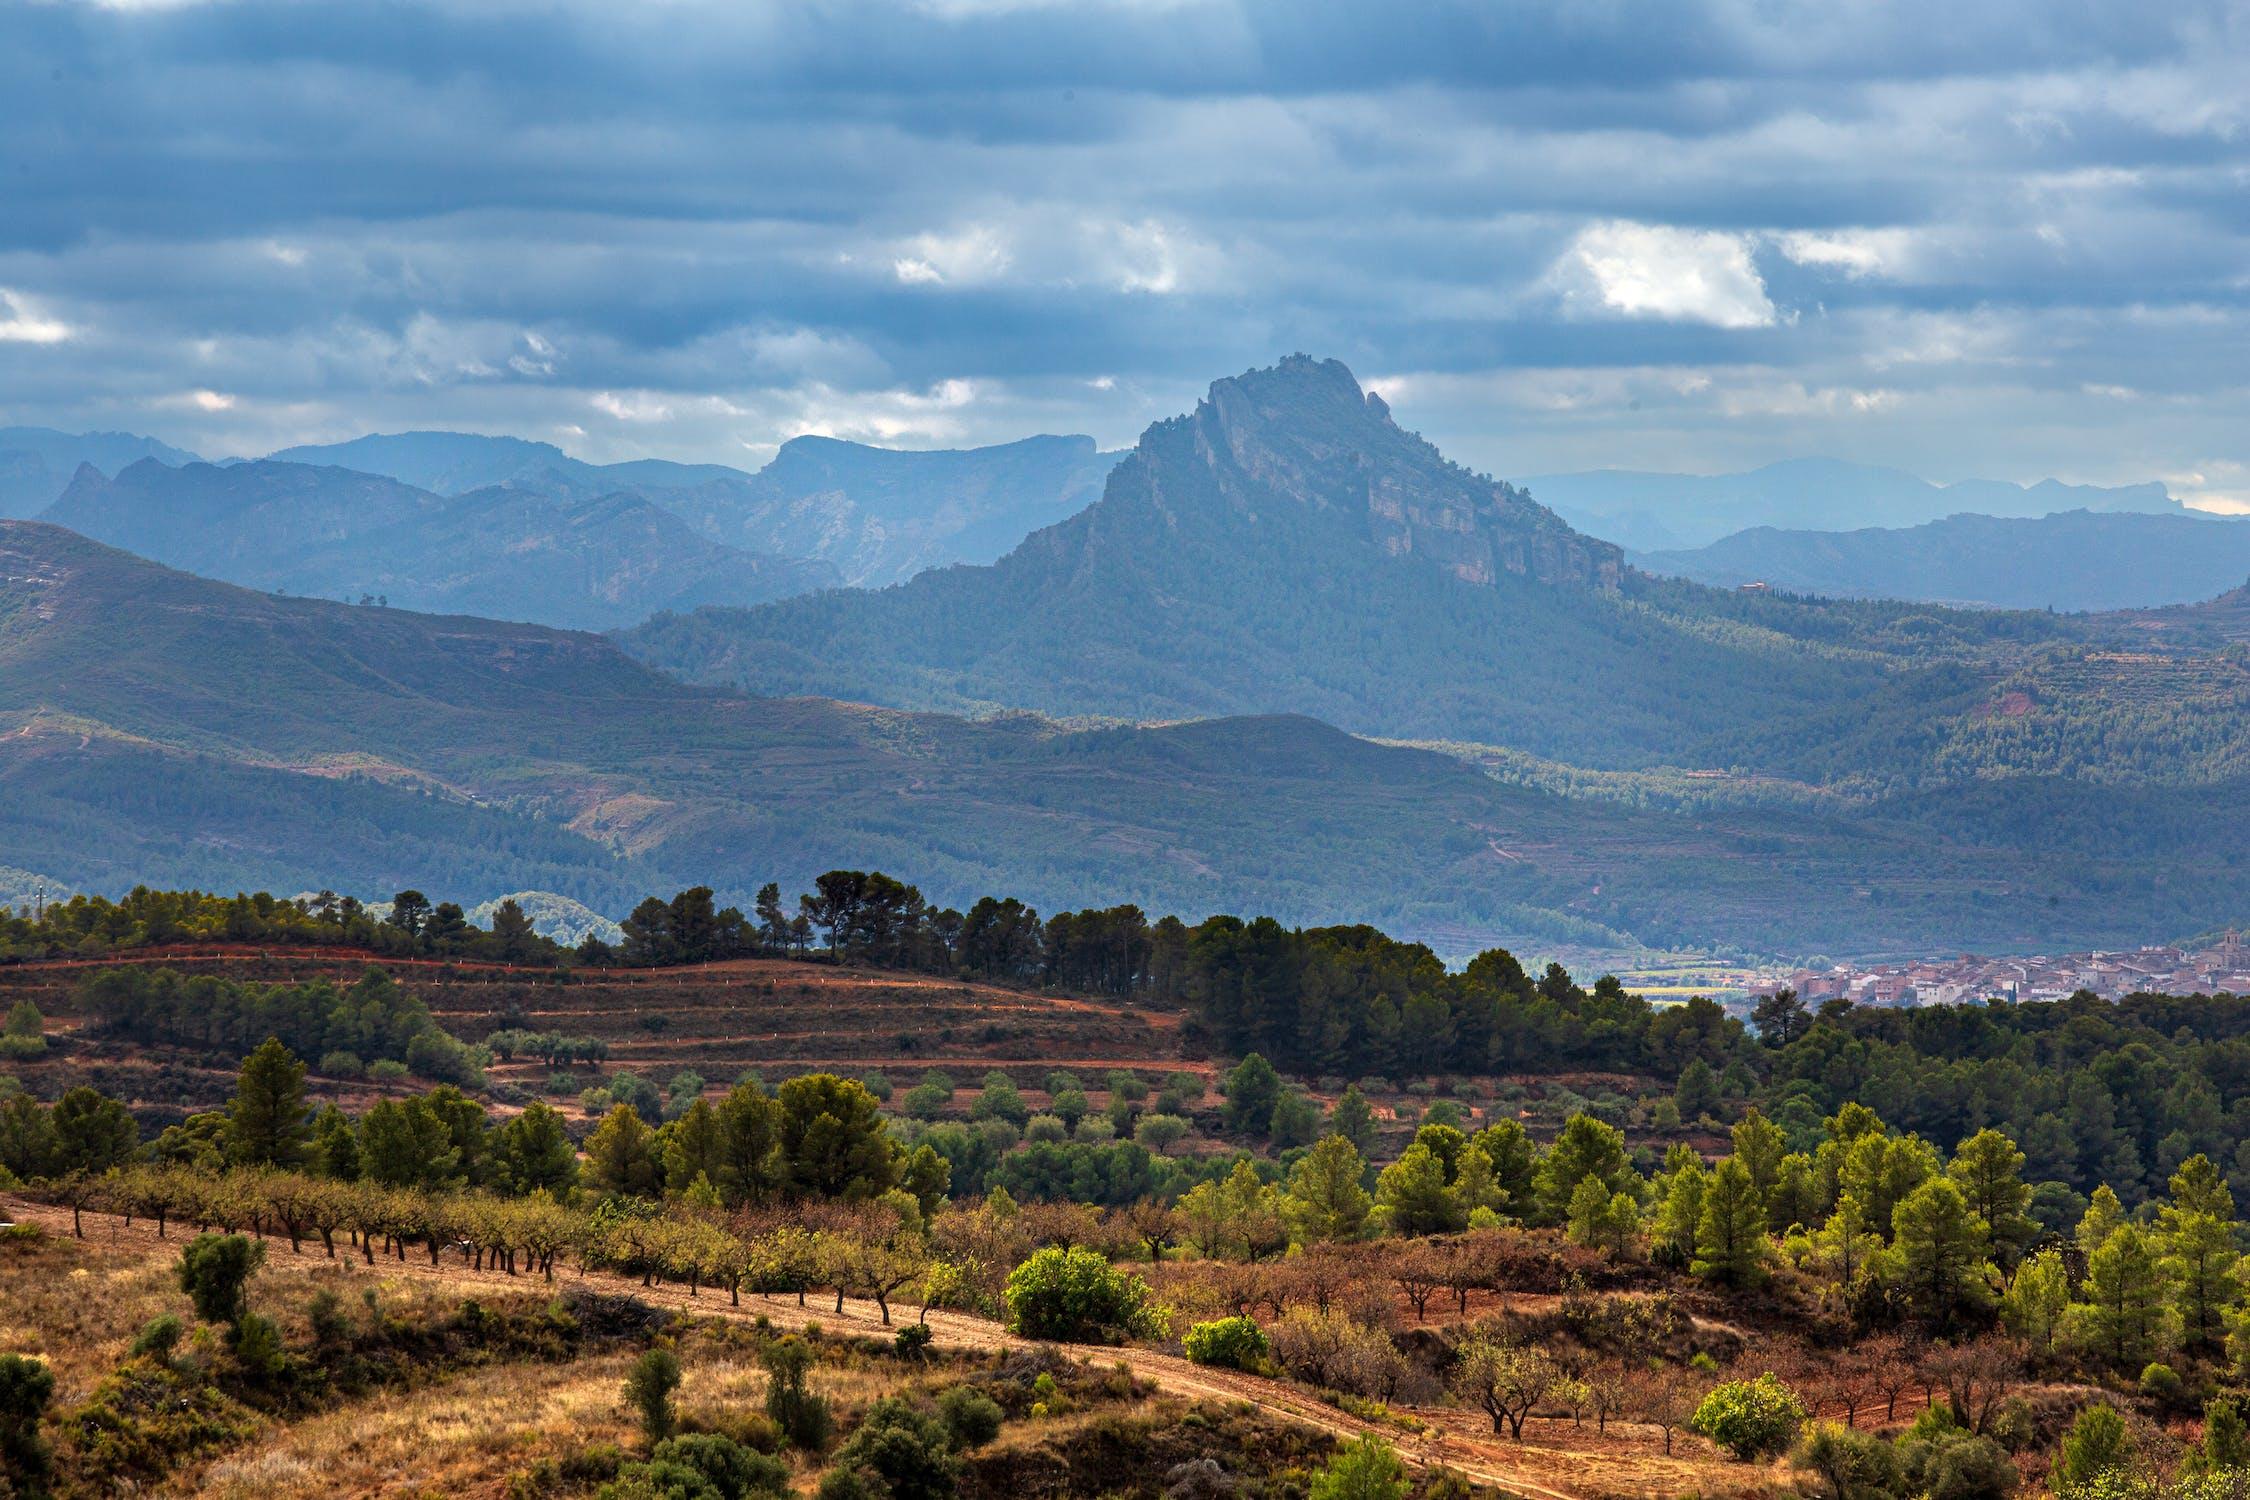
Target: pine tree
x: 2197, y: 1232
x: 2102, y: 1217
x: 1586, y: 1147
x: 335, y: 1147
x: 2126, y: 1317
x: 1681, y: 1214
x: 533, y: 1152
x: 1939, y: 1246
x: 1988, y: 1168
x: 1515, y: 1160
x: 93, y: 1132
x: 1353, y: 1120
x: 1847, y: 1247
x: 2036, y: 1301
x: 621, y: 1155
x: 1730, y: 1232
x: 1412, y: 1195
x: 1760, y: 1146
x: 267, y: 1124
x: 1326, y: 1201
x: 693, y: 1147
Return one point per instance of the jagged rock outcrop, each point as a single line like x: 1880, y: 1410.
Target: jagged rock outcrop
x: 1304, y: 432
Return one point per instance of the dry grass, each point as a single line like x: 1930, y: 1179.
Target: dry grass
x: 78, y: 1305
x: 464, y: 1436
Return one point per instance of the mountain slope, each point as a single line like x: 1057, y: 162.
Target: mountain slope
x: 878, y: 515
x: 37, y: 463
x: 883, y: 515
x: 581, y: 562
x: 157, y: 726
x: 2077, y: 560
x: 1648, y: 512
x: 1288, y: 548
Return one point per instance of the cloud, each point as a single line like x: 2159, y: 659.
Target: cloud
x: 1855, y: 252
x: 20, y: 322
x: 970, y: 256
x: 1659, y: 271
x: 1717, y: 231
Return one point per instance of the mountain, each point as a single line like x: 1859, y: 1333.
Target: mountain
x: 159, y: 727
x: 588, y: 562
x: 566, y: 921
x: 37, y: 463
x: 453, y: 463
x: 1287, y: 547
x: 882, y: 515
x: 1651, y: 512
x: 877, y: 515
x: 2076, y: 560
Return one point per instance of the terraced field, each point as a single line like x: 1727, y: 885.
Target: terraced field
x: 717, y: 1019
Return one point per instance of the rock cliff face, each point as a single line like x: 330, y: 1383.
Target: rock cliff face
x: 1303, y: 434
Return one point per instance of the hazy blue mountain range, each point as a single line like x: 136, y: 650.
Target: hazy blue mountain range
x: 453, y: 463
x: 581, y: 561
x: 37, y: 463
x: 1288, y: 548
x: 882, y: 515
x: 161, y: 727
x: 1651, y: 512
x: 877, y: 515
x: 2077, y: 560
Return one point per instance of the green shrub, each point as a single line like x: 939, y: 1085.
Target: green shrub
x: 1751, y: 1419
x: 389, y: 1070
x: 258, y: 1347
x: 2098, y: 1441
x: 2161, y: 1382
x: 159, y: 1336
x: 1958, y: 1465
x: 1161, y: 1132
x: 1856, y: 1465
x: 926, y: 1101
x: 214, y: 1271
x: 1076, y: 1296
x: 724, y: 1465
x: 648, y: 1390
x: 970, y: 1415
x: 801, y: 1415
x: 341, y: 1065
x: 1367, y: 1468
x: 905, y: 1448
x: 1235, y: 1343
x: 26, y: 1386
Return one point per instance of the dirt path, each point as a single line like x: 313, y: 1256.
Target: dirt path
x: 1539, y: 1468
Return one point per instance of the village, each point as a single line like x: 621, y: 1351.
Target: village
x: 2224, y: 966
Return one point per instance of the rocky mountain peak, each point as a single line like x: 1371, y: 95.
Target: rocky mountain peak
x: 1304, y: 434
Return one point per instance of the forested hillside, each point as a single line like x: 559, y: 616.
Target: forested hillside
x: 469, y: 758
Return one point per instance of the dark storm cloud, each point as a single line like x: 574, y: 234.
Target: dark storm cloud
x: 2006, y: 237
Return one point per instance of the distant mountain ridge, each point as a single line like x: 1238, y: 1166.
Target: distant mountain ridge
x: 37, y: 463
x: 585, y: 562
x: 876, y: 515
x: 2076, y: 560
x: 1652, y: 512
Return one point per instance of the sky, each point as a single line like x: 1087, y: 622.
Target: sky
x: 2006, y: 239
